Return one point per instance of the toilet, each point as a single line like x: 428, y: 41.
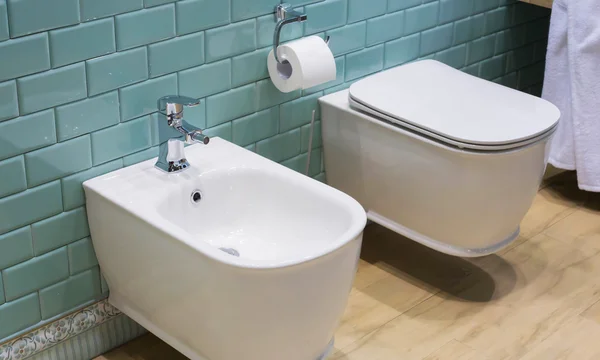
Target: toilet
x: 444, y: 158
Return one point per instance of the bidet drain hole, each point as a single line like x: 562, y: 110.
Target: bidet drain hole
x: 196, y: 196
x: 230, y: 251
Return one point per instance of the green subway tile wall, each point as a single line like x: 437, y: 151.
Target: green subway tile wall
x: 79, y: 81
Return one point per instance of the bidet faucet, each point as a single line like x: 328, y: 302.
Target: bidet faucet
x: 171, y: 156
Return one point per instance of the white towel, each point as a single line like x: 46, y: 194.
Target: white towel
x: 572, y: 82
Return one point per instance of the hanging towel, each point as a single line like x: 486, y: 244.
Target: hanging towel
x: 572, y: 82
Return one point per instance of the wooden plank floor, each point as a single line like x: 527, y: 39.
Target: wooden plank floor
x: 537, y: 299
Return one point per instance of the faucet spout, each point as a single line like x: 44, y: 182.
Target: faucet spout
x: 192, y: 134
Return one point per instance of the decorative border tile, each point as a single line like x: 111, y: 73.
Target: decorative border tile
x: 58, y: 331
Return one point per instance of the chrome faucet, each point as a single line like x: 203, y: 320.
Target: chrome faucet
x: 171, y: 156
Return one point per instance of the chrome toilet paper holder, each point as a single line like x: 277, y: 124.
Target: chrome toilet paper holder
x: 286, y: 15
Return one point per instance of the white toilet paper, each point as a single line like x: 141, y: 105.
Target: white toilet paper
x: 306, y: 62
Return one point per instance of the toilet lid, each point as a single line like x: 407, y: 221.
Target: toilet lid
x: 463, y: 110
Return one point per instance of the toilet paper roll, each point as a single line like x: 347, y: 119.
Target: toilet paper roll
x: 306, y: 62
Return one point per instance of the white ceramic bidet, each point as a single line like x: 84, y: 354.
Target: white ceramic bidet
x: 235, y: 258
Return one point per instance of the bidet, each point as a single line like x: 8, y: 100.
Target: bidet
x: 235, y: 258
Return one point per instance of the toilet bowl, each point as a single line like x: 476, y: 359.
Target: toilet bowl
x: 442, y: 157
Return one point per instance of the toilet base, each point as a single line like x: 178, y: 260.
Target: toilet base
x: 117, y: 301
x: 438, y: 245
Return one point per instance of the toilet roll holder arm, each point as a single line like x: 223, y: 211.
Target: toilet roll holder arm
x: 286, y: 15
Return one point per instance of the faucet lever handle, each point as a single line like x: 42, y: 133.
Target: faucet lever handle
x: 173, y: 104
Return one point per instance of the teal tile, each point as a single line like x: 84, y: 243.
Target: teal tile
x: 9, y: 105
x: 24, y: 56
x: 59, y: 230
x: 223, y: 131
x: 249, y: 67
x: 301, y: 2
x: 151, y: 3
x: 339, y: 77
x: 86, y: 116
x: 244, y: 9
x: 469, y: 29
x: 56, y: 161
x: 336, y: 88
x: 67, y: 295
x: 325, y: 15
x: 4, y: 35
x: 364, y: 62
x: 123, y: 139
x: 298, y: 112
x: 94, y: 9
x: 256, y: 127
x: 531, y: 75
x: 103, y: 284
x: 421, y: 18
x: 509, y: 80
x: 360, y: 9
x: 251, y: 147
x: 51, y: 88
x: 39, y: 128
x: 526, y: 12
x: 510, y: 39
x: 455, y: 57
x: 196, y: 15
x: 452, y: 10
x: 494, y: 67
x: 539, y: 50
x: 72, y: 189
x: 401, y: 51
x: 140, y: 156
x: 161, y: 59
x: 206, y: 79
x: 395, y: 5
x: 269, y: 96
x: 82, y: 42
x: 385, y: 28
x: 15, y: 247
x: 538, y: 30
x: 30, y: 16
x: 140, y: 99
x: 1, y: 292
x: 19, y: 314
x: 519, y: 58
x: 472, y: 70
x: 219, y: 109
x: 13, y: 176
x: 281, y: 147
x: 348, y: 38
x: 132, y: 28
x: 484, y: 5
x: 265, y: 26
x: 321, y: 177
x: 230, y: 40
x: 114, y: 71
x: 305, y: 135
x: 499, y: 19
x: 437, y: 39
x: 481, y: 49
x: 299, y: 162
x: 36, y: 273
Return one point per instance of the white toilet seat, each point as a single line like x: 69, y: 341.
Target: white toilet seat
x: 357, y: 105
x: 460, y: 110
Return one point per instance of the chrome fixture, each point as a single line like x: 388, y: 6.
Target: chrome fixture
x: 285, y: 15
x: 171, y: 156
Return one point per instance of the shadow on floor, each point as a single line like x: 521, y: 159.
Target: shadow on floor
x: 455, y: 277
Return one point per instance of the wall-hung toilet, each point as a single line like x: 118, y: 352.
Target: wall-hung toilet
x: 442, y: 157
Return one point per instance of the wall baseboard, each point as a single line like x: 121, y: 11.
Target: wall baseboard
x: 81, y: 335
